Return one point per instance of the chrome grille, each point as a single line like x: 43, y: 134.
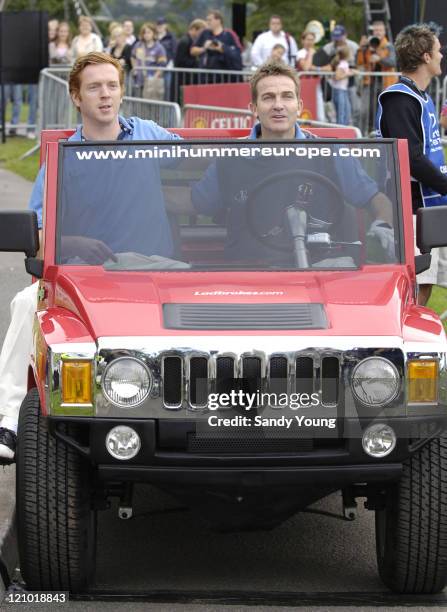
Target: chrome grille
x: 198, y: 375
x: 188, y: 378
x: 278, y: 374
x: 304, y: 375
x: 172, y: 374
x: 245, y: 444
x: 330, y: 380
x: 225, y: 373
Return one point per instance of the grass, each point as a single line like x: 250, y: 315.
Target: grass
x: 16, y: 146
x: 438, y: 302
x: 23, y: 118
x: 10, y: 154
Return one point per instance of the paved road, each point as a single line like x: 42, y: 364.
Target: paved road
x: 174, y: 549
x: 158, y: 550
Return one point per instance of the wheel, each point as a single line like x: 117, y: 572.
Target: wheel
x: 311, y: 191
x: 56, y: 525
x: 411, y: 531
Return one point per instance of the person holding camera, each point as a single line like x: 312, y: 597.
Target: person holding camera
x: 375, y: 54
x: 218, y: 49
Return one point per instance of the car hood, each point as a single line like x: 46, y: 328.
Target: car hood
x: 369, y: 302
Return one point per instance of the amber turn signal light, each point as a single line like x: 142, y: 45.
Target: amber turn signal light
x: 423, y: 381
x: 77, y: 382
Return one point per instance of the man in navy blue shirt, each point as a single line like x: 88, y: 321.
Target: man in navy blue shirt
x: 276, y: 103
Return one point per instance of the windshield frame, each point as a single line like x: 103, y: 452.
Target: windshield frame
x: 392, y: 149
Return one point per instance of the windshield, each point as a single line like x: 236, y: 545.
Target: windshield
x: 240, y: 205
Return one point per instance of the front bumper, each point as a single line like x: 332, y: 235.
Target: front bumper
x: 166, y: 459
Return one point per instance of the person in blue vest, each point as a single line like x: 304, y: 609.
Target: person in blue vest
x: 405, y: 110
x: 96, y: 85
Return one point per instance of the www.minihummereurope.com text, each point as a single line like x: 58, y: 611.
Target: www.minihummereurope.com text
x: 179, y: 152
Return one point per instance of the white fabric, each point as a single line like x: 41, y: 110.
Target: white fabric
x: 9, y: 423
x: 264, y: 43
x: 82, y: 45
x: 302, y: 53
x: 341, y: 83
x: 6, y: 452
x: 320, y: 104
x: 16, y: 351
x: 437, y: 272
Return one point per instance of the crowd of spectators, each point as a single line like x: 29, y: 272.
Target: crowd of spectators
x: 350, y: 93
x: 345, y: 90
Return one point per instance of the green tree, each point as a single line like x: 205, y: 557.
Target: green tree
x: 55, y: 8
x: 296, y: 15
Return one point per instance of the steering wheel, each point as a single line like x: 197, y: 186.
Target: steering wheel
x: 270, y: 226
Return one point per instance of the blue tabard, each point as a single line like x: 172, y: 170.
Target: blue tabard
x: 432, y: 138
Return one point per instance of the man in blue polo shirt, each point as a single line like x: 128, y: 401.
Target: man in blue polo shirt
x: 96, y: 87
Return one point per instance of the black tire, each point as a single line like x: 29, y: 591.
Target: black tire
x: 411, y: 532
x: 56, y: 525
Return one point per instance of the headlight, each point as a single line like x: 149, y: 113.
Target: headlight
x: 375, y: 381
x: 126, y: 382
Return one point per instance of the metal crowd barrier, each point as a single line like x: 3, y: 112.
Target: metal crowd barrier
x: 60, y: 71
x: 56, y: 109
x: 363, y: 92
x: 327, y: 124
x: 166, y: 114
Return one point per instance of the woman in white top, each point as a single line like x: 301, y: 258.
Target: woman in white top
x: 87, y: 40
x: 305, y: 63
x: 305, y: 55
x: 60, y: 48
x: 339, y: 84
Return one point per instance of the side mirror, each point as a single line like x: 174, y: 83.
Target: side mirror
x: 19, y: 233
x: 431, y: 224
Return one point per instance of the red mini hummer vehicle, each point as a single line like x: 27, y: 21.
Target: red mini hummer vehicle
x: 219, y: 318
